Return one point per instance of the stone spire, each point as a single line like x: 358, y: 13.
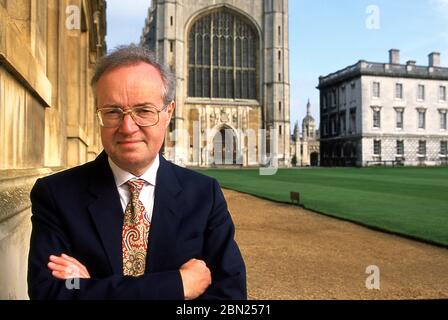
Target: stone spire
x: 296, y: 130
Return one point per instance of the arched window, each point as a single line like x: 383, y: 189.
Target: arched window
x: 222, y: 57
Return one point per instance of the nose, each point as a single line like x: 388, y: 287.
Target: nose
x: 128, y: 125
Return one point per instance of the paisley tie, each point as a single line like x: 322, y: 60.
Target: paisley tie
x: 135, y: 232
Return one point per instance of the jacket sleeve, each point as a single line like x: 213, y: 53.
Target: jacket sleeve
x: 222, y: 254
x: 50, y: 237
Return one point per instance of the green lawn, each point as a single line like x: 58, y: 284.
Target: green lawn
x: 410, y: 201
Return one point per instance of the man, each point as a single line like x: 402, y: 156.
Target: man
x: 130, y: 224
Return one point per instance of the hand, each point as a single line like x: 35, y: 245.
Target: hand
x: 196, y: 278
x: 66, y: 267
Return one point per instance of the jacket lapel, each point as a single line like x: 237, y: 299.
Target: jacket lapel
x: 167, y: 213
x: 107, y: 214
x: 106, y: 211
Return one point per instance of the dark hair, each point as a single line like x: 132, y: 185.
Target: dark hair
x: 133, y: 54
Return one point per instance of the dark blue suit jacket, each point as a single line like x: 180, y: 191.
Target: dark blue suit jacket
x: 78, y: 212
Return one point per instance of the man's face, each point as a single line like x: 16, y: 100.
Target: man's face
x: 131, y: 147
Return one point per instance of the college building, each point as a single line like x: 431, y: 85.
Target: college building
x: 305, y: 145
x: 385, y: 113
x: 231, y: 60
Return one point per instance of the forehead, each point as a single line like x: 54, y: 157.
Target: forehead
x: 128, y: 83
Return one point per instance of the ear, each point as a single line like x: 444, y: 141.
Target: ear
x: 170, y: 111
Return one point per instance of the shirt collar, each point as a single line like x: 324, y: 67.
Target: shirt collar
x: 121, y: 176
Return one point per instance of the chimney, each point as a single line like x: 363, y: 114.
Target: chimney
x: 410, y: 64
x: 434, y: 59
x: 394, y: 56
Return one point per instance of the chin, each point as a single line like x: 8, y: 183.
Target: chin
x: 135, y: 160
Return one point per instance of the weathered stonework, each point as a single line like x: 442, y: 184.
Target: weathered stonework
x: 167, y: 30
x: 47, y: 55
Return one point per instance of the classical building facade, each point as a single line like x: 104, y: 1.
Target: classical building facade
x: 385, y: 113
x: 231, y: 60
x: 305, y: 145
x: 48, y: 50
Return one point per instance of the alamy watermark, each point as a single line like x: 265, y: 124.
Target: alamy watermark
x: 72, y: 284
x: 73, y: 19
x: 230, y: 147
x: 373, y: 280
x: 373, y: 19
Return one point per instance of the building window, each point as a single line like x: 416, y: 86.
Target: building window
x: 400, y: 147
x: 324, y: 101
x: 352, y: 124
x: 442, y: 93
x: 222, y: 57
x: 279, y: 107
x: 352, y: 91
x: 377, y: 147
x: 421, y: 119
x: 324, y: 126
x: 342, y: 122
x: 344, y: 97
x: 171, y: 20
x: 442, y: 114
x: 376, y: 118
x: 422, y: 148
x: 376, y: 90
x: 399, y: 91
x: 279, y: 35
x: 334, y: 126
x: 421, y: 92
x: 443, y: 148
x: 171, y: 46
x: 399, y: 118
x: 334, y: 98
x: 330, y: 129
x: 280, y: 130
x: 279, y: 56
x: 279, y: 76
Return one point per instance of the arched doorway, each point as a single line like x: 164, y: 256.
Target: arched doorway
x: 224, y: 147
x: 314, y: 157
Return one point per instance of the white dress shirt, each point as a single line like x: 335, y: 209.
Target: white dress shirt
x: 146, y: 195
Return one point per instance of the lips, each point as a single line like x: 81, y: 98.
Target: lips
x: 129, y: 142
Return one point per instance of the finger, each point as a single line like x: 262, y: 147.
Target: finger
x: 59, y: 260
x: 56, y: 267
x: 62, y: 272
x: 73, y: 260
x: 58, y: 275
x: 64, y: 256
x: 62, y: 275
x: 68, y: 267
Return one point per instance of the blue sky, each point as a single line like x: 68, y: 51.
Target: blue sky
x: 328, y: 35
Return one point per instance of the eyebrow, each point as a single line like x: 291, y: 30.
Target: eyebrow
x: 114, y: 105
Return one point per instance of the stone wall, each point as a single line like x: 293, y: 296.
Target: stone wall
x: 48, y: 49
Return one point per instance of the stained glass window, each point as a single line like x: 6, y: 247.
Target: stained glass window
x: 222, y: 57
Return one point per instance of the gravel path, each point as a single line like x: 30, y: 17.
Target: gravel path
x: 292, y: 253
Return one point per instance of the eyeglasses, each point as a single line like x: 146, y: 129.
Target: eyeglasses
x: 144, y: 116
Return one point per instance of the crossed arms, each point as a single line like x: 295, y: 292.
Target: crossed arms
x: 51, y: 261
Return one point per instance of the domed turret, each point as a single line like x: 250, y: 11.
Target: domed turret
x: 308, y: 123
